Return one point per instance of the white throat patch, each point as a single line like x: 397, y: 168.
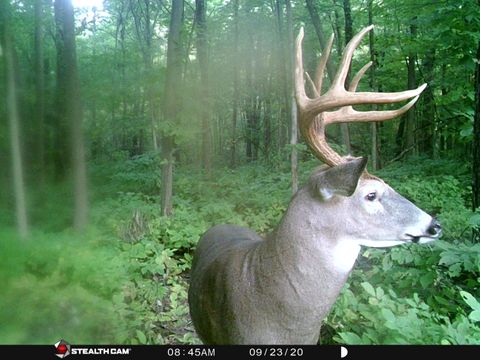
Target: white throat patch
x: 345, y: 254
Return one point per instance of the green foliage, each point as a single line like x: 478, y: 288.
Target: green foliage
x: 153, y: 302
x: 126, y: 280
x: 58, y: 286
x: 378, y: 316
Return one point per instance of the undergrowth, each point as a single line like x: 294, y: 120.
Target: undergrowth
x: 126, y: 279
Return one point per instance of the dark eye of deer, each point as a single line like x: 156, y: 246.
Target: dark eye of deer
x: 371, y: 196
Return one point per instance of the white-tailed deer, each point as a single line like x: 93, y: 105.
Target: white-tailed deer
x: 249, y: 290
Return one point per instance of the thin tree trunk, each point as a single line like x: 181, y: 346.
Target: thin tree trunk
x: 267, y: 126
x: 233, y: 155
x: 202, y: 55
x: 284, y: 74
x: 429, y: 119
x: 336, y: 25
x: 173, y: 102
x: 60, y: 126
x: 144, y: 32
x: 69, y: 95
x: 293, y: 106
x: 347, y: 11
x: 93, y: 102
x: 317, y: 24
x: 39, y: 92
x: 409, y: 131
x: 251, y: 115
x: 373, y: 125
x: 14, y: 126
x: 348, y: 36
x: 476, y: 138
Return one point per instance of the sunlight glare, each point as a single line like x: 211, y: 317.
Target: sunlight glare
x: 88, y: 4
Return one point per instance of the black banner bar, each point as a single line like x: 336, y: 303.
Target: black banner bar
x: 173, y: 352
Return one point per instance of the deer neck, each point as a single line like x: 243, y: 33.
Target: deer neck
x: 313, y: 257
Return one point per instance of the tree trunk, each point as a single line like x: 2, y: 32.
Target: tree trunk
x: 233, y: 154
x: 173, y: 103
x: 267, y: 127
x: 39, y: 92
x: 202, y: 55
x: 336, y: 25
x: 251, y: 134
x: 293, y: 106
x: 144, y: 29
x: 93, y: 101
x: 14, y: 125
x: 71, y: 110
x: 347, y: 11
x: 476, y: 146
x: 317, y: 24
x: 373, y: 125
x: 476, y: 138
x: 409, y: 131
x: 348, y: 36
x: 284, y: 75
x: 429, y: 119
x: 61, y: 123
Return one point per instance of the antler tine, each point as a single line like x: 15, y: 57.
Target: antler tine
x: 312, y: 85
x: 348, y: 114
x: 300, y: 94
x: 341, y: 75
x: 320, y: 72
x: 358, y: 76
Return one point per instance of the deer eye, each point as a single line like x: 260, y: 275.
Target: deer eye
x: 371, y: 196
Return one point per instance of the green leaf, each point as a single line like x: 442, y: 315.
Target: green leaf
x: 427, y: 280
x: 141, y: 337
x: 388, y: 315
x: 368, y: 288
x: 380, y: 293
x: 474, y: 315
x: 350, y: 338
x: 470, y: 300
x: 474, y: 219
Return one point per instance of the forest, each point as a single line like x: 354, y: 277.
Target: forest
x: 130, y: 127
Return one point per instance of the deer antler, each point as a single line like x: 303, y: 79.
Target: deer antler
x: 313, y: 112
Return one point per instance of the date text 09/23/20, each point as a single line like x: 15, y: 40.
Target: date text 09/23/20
x: 214, y: 351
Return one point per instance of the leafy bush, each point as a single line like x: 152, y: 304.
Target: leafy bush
x: 154, y: 300
x: 58, y: 287
x: 376, y: 316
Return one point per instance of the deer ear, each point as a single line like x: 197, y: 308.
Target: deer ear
x: 339, y: 180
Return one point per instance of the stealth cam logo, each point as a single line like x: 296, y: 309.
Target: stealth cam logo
x: 62, y: 349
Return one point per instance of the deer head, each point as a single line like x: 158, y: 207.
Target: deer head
x: 373, y: 195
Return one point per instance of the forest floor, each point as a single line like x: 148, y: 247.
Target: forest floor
x: 125, y: 279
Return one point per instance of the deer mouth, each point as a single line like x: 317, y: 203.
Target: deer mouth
x: 423, y: 239
x: 433, y: 232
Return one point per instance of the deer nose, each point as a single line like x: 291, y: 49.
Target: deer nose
x: 435, y: 229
